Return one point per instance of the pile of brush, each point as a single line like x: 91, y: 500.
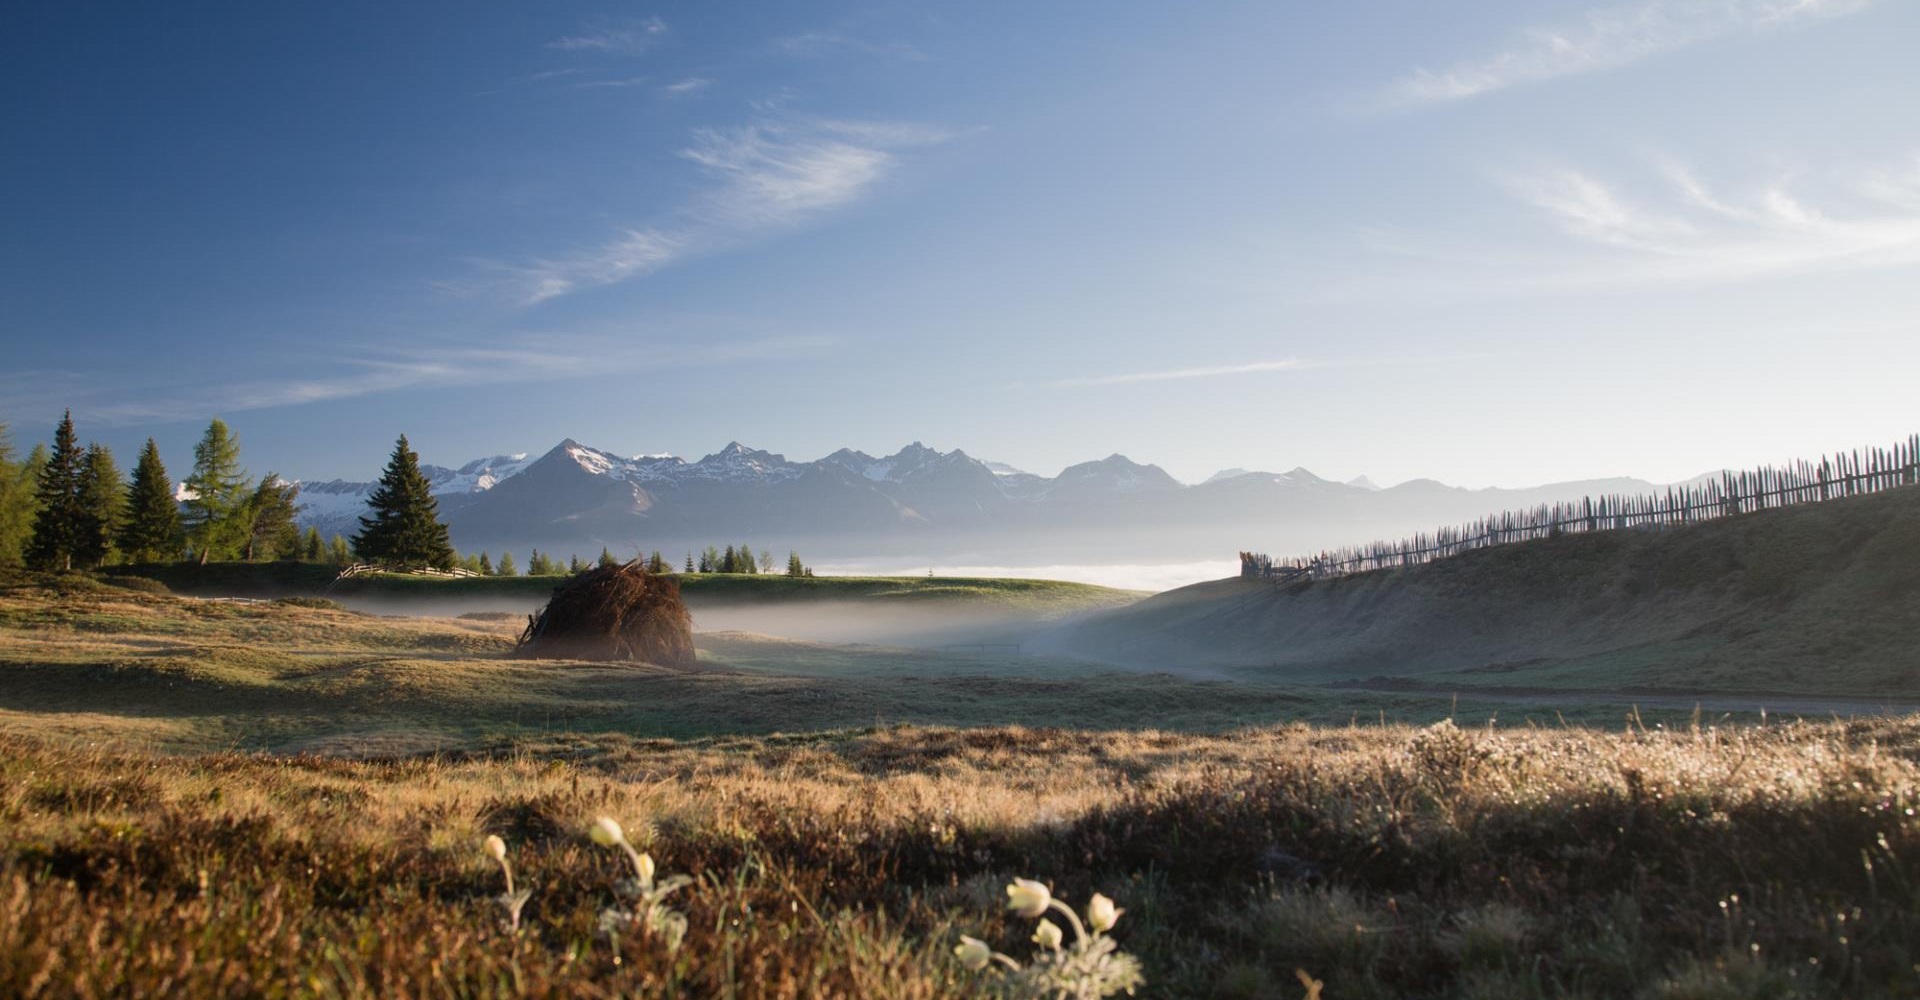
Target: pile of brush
x: 612, y: 613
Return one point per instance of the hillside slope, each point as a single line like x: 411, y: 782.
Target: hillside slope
x: 1823, y: 598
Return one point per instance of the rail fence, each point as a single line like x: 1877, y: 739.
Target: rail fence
x: 1843, y: 475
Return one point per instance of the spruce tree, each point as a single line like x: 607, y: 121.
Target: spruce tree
x: 57, y: 520
x: 574, y: 565
x: 506, y: 567
x: 151, y: 531
x: 313, y: 549
x: 794, y: 566
x: 743, y: 562
x: 689, y: 562
x: 338, y: 553
x: 606, y: 558
x: 484, y: 565
x: 656, y: 563
x: 102, y: 499
x: 217, y: 493
x: 404, y: 527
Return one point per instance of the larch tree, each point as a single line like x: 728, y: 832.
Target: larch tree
x: 56, y: 521
x: 403, y: 525
x: 217, y: 493
x: 16, y: 501
x: 269, y: 520
x: 151, y: 530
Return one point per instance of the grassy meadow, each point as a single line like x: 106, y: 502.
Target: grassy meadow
x: 286, y: 798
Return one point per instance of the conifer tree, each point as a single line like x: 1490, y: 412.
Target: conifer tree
x: 574, y: 565
x: 606, y: 558
x: 743, y: 561
x: 484, y: 566
x: 338, y: 553
x: 102, y: 499
x: 506, y: 567
x: 56, y: 522
x: 729, y: 563
x: 314, y: 550
x: 794, y: 566
x: 657, y: 563
x: 217, y: 492
x: 689, y: 562
x: 151, y: 532
x: 268, y: 519
x: 404, y: 527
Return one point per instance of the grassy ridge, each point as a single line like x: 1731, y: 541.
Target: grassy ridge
x: 1817, y: 599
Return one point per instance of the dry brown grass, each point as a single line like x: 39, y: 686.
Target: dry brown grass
x: 1763, y: 861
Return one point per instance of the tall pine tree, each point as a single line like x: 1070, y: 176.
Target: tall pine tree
x: 102, y: 497
x: 56, y: 524
x: 151, y: 531
x: 217, y: 494
x: 404, y: 527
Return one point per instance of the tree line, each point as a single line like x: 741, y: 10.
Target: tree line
x: 68, y: 507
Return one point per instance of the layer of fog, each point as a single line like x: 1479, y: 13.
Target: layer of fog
x: 1124, y: 576
x: 923, y: 624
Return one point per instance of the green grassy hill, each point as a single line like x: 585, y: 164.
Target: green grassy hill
x: 1816, y: 599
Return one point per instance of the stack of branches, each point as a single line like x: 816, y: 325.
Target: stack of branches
x: 612, y: 613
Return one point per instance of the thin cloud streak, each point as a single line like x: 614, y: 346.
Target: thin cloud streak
x: 1175, y: 374
x: 531, y: 358
x: 814, y: 44
x: 1609, y: 38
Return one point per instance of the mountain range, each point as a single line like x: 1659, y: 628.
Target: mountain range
x: 918, y: 504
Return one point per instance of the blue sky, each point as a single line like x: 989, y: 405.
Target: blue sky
x: 1490, y: 243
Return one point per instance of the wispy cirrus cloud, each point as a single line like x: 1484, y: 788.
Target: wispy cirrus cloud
x: 118, y: 399
x: 628, y: 37
x: 1179, y: 374
x: 772, y: 174
x: 1608, y: 38
x: 686, y: 88
x: 1686, y: 229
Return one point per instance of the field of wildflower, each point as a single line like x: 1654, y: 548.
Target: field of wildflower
x: 1774, y: 860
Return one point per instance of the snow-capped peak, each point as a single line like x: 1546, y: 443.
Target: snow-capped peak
x: 1363, y: 483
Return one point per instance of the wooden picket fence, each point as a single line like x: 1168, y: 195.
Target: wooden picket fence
x: 1843, y: 475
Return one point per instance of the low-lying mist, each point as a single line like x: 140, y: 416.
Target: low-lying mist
x: 923, y: 624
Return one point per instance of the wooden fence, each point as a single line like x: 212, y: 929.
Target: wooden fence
x: 1844, y: 475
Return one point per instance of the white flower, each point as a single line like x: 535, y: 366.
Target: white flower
x: 973, y: 953
x: 1102, y: 914
x: 1028, y: 898
x: 645, y: 865
x: 497, y: 848
x: 1048, y: 935
x: 607, y: 833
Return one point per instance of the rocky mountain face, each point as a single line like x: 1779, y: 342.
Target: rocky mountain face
x: 919, y: 504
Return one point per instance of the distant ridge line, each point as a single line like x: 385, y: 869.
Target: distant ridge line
x: 1841, y: 475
